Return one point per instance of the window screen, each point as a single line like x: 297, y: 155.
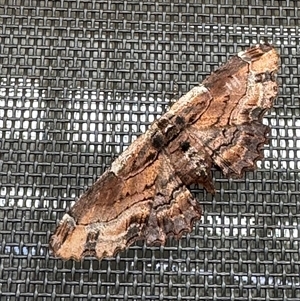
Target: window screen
x: 79, y: 81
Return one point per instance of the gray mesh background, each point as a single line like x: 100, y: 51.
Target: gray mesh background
x: 79, y: 81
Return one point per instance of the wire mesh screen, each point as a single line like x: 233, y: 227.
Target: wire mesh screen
x: 79, y: 81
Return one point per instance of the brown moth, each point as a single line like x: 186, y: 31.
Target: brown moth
x: 144, y: 195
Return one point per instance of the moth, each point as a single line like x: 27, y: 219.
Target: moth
x: 144, y: 195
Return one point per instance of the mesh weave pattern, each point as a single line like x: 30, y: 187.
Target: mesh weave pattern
x: 79, y: 81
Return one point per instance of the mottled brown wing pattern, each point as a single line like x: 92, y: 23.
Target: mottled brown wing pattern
x: 151, y: 205
x: 144, y: 195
